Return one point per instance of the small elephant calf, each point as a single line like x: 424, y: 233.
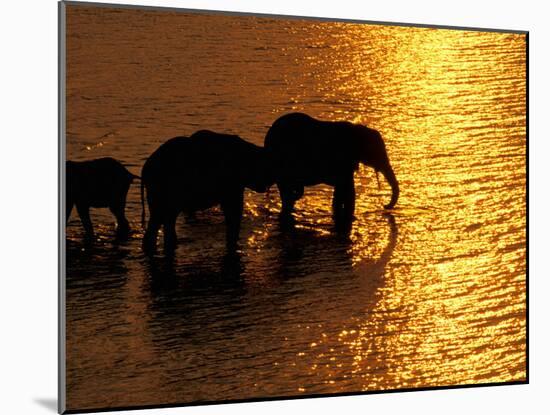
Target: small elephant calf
x: 98, y: 183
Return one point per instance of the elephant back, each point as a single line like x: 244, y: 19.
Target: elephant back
x: 309, y: 151
x: 206, y: 163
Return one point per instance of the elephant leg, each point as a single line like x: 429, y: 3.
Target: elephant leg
x: 123, y: 227
x: 298, y: 191
x: 170, y: 237
x: 150, y: 237
x: 289, y: 195
x: 343, y: 201
x: 337, y: 203
x: 349, y: 201
x: 232, y: 208
x: 84, y: 213
x: 118, y: 208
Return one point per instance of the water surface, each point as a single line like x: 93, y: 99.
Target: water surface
x: 432, y: 294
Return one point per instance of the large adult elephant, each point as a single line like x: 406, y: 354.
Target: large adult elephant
x: 306, y: 151
x: 187, y: 174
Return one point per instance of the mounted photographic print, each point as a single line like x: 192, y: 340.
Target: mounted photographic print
x: 259, y: 207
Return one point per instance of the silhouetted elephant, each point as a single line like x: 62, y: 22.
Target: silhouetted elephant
x: 306, y: 152
x: 98, y: 183
x: 187, y: 174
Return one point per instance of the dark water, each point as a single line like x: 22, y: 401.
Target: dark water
x: 430, y: 295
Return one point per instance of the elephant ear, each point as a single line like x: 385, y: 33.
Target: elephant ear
x: 345, y: 151
x: 371, y: 150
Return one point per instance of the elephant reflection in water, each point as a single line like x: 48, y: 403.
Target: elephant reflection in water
x: 305, y: 252
x: 307, y: 152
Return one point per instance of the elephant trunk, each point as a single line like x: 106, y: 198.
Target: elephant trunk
x: 392, y: 181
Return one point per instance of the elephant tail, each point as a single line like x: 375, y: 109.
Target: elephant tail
x: 131, y: 176
x: 142, y: 205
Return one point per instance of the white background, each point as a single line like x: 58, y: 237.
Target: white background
x: 28, y: 204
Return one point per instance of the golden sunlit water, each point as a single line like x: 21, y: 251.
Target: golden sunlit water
x: 431, y: 294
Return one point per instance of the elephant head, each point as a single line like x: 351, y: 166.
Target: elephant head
x: 370, y: 150
x: 258, y: 172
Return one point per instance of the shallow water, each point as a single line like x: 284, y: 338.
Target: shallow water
x: 432, y: 294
